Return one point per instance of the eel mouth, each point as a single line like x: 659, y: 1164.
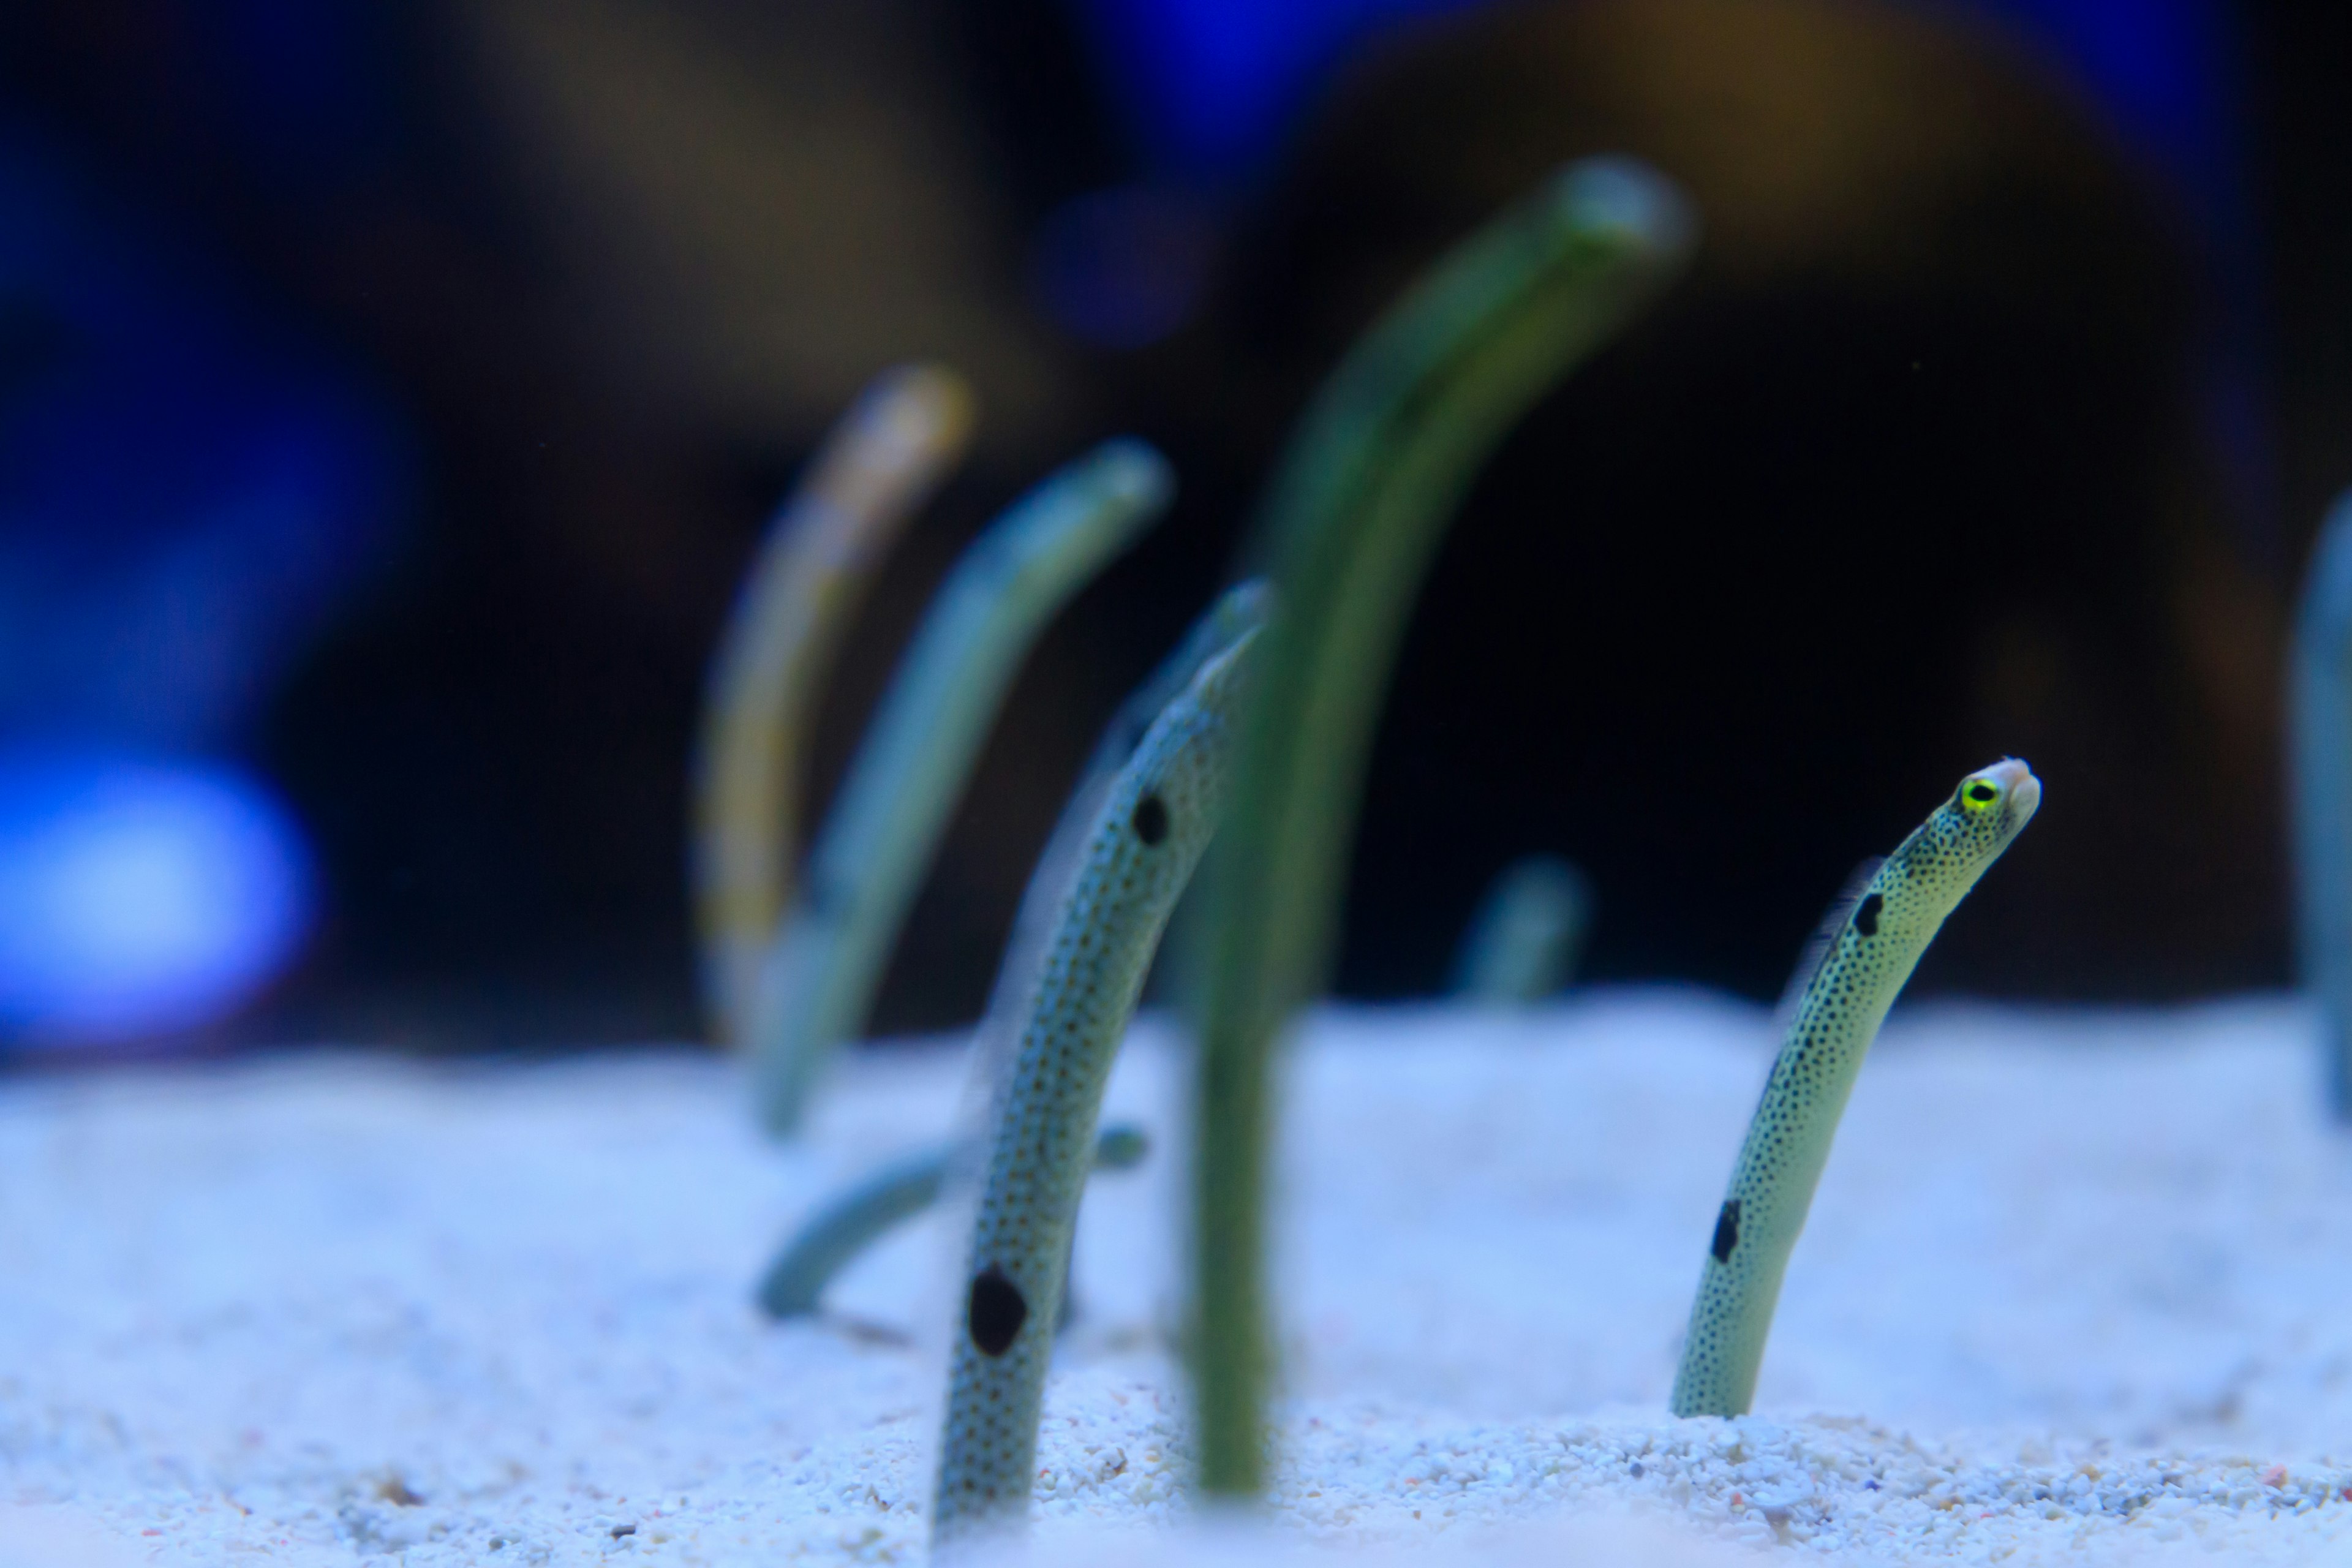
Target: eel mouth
x: 2019, y: 785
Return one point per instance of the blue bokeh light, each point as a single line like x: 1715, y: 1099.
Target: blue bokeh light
x: 138, y: 898
x: 186, y: 494
x: 1210, y: 86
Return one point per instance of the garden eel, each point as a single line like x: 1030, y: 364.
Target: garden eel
x: 820, y: 975
x: 1140, y: 846
x: 824, y: 1244
x: 1377, y: 466
x: 811, y: 572
x: 1523, y: 943
x: 840, y: 1230
x: 1864, y: 952
x: 2322, y: 710
x: 827, y: 1242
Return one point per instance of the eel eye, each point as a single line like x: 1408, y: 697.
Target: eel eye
x: 1979, y: 796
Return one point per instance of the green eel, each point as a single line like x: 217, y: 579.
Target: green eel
x: 812, y: 571
x: 1865, y: 951
x: 1373, y: 473
x: 820, y: 977
x: 1076, y: 997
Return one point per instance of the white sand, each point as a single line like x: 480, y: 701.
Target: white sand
x: 2078, y: 1287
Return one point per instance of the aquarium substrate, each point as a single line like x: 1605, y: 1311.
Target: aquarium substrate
x: 2074, y: 1290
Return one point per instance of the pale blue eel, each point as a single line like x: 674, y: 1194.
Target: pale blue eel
x: 880, y: 833
x: 1867, y: 949
x: 2321, y: 710
x: 830, y: 1239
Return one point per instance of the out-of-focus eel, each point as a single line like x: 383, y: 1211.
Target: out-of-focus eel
x: 2320, y: 703
x: 829, y: 1239
x: 1357, y: 508
x: 812, y: 572
x: 1523, y: 943
x: 819, y: 977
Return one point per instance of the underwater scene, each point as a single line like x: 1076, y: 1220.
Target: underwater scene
x: 1175, y: 781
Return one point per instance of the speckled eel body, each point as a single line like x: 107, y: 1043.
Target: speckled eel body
x: 1139, y: 848
x: 1866, y: 951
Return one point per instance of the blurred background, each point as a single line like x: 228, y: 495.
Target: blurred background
x: 390, y: 395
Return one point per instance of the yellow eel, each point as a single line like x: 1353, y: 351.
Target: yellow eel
x: 813, y: 570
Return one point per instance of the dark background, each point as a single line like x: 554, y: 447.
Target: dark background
x: 1995, y: 417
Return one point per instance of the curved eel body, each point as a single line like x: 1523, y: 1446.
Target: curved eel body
x: 1356, y: 512
x: 819, y: 977
x: 812, y: 572
x: 2321, y: 710
x: 1866, y: 951
x: 828, y: 1241
x: 1140, y: 846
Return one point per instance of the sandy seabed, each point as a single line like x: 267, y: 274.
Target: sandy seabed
x: 2077, y: 1288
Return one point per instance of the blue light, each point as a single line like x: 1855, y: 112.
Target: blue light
x: 2162, y: 72
x: 1211, y: 85
x: 137, y: 898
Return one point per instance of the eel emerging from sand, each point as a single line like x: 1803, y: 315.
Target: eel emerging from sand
x: 1078, y: 994
x: 829, y: 1240
x: 812, y: 572
x: 1863, y: 953
x: 2320, y: 694
x: 1523, y: 943
x: 1378, y: 464
x: 820, y: 977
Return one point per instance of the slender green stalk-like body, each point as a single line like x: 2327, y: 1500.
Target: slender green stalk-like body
x: 811, y: 572
x: 832, y: 1237
x: 1354, y: 516
x: 821, y: 974
x: 1867, y: 949
x: 1145, y: 835
x: 2321, y: 708
x: 1523, y: 943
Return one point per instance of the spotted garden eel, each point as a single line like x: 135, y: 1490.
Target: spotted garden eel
x: 1138, y: 850
x: 825, y: 1243
x: 1355, y: 512
x: 1867, y: 949
x: 819, y: 977
x: 2321, y: 706
x: 838, y: 1232
x: 812, y: 571
x: 831, y: 1239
